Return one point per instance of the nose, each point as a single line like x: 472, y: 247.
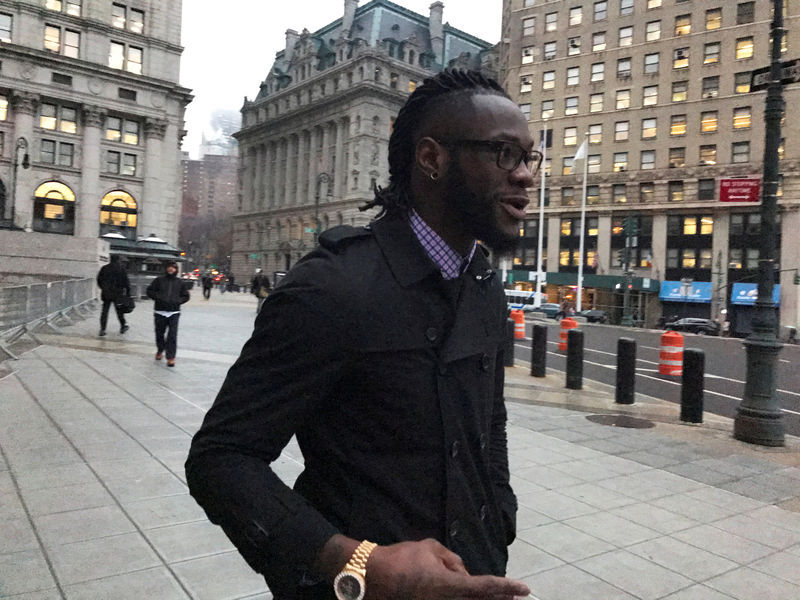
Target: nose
x: 522, y: 175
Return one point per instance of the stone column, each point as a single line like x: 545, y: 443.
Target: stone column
x: 659, y: 246
x: 25, y: 106
x: 280, y: 172
x: 88, y: 210
x: 269, y: 174
x: 149, y: 211
x: 719, y: 264
x: 257, y: 201
x: 312, y: 164
x: 326, y: 160
x: 789, y: 256
x: 288, y: 194
x: 301, y: 173
x: 553, y: 242
x: 605, y: 261
x: 339, y: 169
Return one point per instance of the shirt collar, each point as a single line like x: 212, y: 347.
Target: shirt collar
x: 449, y: 262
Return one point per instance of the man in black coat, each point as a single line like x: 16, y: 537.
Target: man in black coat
x: 114, y: 285
x: 381, y: 351
x: 169, y: 292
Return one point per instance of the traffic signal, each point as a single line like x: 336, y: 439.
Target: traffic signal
x: 630, y: 226
x: 797, y: 277
x: 621, y: 257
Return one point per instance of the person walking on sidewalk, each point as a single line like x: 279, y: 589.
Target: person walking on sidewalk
x: 208, y: 283
x: 399, y: 413
x: 169, y: 292
x: 114, y: 285
x: 260, y: 288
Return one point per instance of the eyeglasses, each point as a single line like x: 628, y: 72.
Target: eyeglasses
x: 509, y: 154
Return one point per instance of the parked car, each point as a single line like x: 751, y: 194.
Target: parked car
x: 594, y: 315
x: 692, y: 325
x: 551, y: 309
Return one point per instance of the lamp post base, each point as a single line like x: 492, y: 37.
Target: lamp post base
x: 759, y: 419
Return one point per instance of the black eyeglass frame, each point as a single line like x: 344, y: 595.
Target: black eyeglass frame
x: 530, y: 157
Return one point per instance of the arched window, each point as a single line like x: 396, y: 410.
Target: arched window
x: 54, y: 208
x: 118, y: 213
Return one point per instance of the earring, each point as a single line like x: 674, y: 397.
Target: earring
x: 434, y: 176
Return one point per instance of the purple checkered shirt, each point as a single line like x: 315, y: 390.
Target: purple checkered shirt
x: 450, y: 262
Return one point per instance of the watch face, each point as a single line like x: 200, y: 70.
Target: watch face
x: 348, y: 586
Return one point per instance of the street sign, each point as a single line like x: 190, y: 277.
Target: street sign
x: 255, y: 255
x: 310, y: 230
x: 740, y: 190
x: 790, y: 73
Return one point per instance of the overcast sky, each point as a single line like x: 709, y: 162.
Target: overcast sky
x: 229, y: 47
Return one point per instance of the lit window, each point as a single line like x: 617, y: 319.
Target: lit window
x: 649, y: 129
x: 621, y: 131
x: 624, y: 68
x: 128, y: 58
x: 598, y: 72
x: 592, y: 229
x: 675, y: 191
x: 61, y: 118
x: 575, y: 15
x: 548, y: 80
x: 594, y: 163
x: 680, y: 58
x: 573, y: 76
x: 549, y: 50
x: 592, y: 193
x: 744, y: 48
x: 619, y: 191
x: 567, y: 196
x: 623, y: 99
x: 47, y: 115
x: 679, y: 91
x: 711, y: 53
x: 527, y: 55
x: 625, y: 7
x: 599, y: 41
x: 570, y: 136
x: 708, y: 155
x: 566, y: 227
x: 596, y: 103
x: 567, y: 164
x: 3, y: 107
x: 547, y: 109
x: 741, y: 83
x: 600, y: 11
x: 735, y: 257
x: 713, y: 19
x: 412, y: 85
x: 710, y: 87
x: 677, y: 125
x: 653, y: 4
x: 573, y: 46
x: 620, y: 161
x: 648, y: 159
x: 71, y: 7
x: 571, y: 105
x: 677, y: 157
x: 596, y: 133
x: 706, y: 225
x: 708, y: 121
x: 650, y: 95
x: 741, y: 117
x: 653, y: 31
x: 625, y: 36
x: 683, y: 25
x: 647, y: 191
x: 526, y: 111
x: 651, y: 63
x: 68, y: 121
x: 528, y: 26
x: 52, y: 38
x: 123, y: 17
x: 525, y: 84
x: 688, y: 255
x: 551, y: 21
x: 118, y: 209
x: 5, y: 27
x: 131, y: 132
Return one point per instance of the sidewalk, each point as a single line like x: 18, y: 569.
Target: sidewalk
x: 93, y: 503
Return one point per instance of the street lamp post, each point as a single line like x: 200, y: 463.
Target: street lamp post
x: 22, y: 145
x: 759, y: 419
x: 321, y: 178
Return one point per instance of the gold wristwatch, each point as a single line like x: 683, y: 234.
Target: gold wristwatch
x: 351, y: 583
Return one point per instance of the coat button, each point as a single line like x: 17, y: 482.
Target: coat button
x: 432, y: 334
x: 454, y: 529
x: 483, y: 512
x: 484, y: 441
x: 442, y: 370
x: 455, y: 448
x: 485, y: 362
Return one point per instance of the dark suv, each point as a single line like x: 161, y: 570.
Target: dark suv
x: 693, y: 325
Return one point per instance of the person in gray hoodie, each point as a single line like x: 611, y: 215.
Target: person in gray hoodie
x: 168, y: 292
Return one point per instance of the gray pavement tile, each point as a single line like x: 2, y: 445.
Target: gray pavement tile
x: 79, y: 525
x: 759, y: 464
x: 745, y: 584
x: 759, y: 531
x: 726, y: 465
x: 564, y: 542
x: 643, y: 579
x: 103, y: 557
x: 784, y: 565
x: 569, y: 583
x: 657, y: 461
x: 736, y: 503
x: 777, y: 516
x: 219, y: 577
x: 6, y: 483
x: 618, y: 465
x: 527, y: 518
x: 158, y: 584
x: 723, y: 543
x: 632, y: 486
x: 613, y: 529
x: 694, y: 508
x: 698, y: 592
x: 145, y: 487
x: 11, y: 507
x: 188, y: 540
x: 554, y: 505
x: 523, y: 486
x: 16, y: 535
x: 569, y: 435
x: 763, y: 488
x: 694, y: 563
x: 546, y: 477
x: 67, y: 498
x: 167, y: 510
x: 594, y: 495
x: 51, y: 594
x: 46, y: 477
x: 109, y: 470
x: 606, y: 446
x: 121, y: 449
x: 31, y: 457
x: 585, y: 472
x: 542, y: 456
x: 674, y: 483
x: 700, y: 473
x: 24, y: 572
x: 659, y: 519
x: 525, y: 560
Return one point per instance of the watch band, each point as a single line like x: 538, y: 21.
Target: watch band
x: 358, y: 562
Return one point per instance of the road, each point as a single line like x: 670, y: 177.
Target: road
x: 725, y: 367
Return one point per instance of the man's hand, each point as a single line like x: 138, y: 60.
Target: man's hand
x: 427, y: 570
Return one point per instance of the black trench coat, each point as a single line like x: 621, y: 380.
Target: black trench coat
x: 392, y: 380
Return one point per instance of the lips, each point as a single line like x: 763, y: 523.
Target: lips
x: 515, y: 206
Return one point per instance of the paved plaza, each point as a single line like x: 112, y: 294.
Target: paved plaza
x: 94, y: 505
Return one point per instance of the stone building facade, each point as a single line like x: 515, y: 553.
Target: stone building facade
x: 661, y: 88
x: 91, y: 118
x: 314, y: 142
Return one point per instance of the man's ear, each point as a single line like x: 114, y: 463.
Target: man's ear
x: 431, y: 158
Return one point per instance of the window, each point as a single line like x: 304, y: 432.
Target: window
x: 120, y: 163
x: 744, y: 48
x: 653, y: 4
x: 621, y: 131
x: 741, y: 83
x: 54, y: 208
x: 745, y: 12
x: 620, y: 162
x: 679, y: 91
x: 625, y: 36
x: 649, y: 129
x: 547, y: 109
x: 708, y: 121
x: 740, y: 152
x: 551, y: 21
x: 570, y: 136
x: 596, y: 103
x: 677, y: 157
x: 126, y: 94
x: 118, y: 211
x: 394, y: 78
x: 598, y: 72
x: 3, y: 107
x: 566, y: 227
x: 683, y: 25
x: 528, y: 3
x: 592, y: 192
x: 526, y: 111
x: 675, y: 191
x: 549, y: 50
x: 66, y: 42
x: 527, y: 55
x: 647, y: 191
x: 571, y: 105
x: 573, y: 76
x: 528, y: 26
x: 624, y: 68
x: 525, y: 84
x: 710, y: 87
x: 706, y: 225
x: 594, y: 163
x: 123, y: 17
x: 591, y: 227
x: 625, y: 7
x: 619, y: 193
x: 708, y: 154
x: 575, y: 16
x: 596, y: 134
x: 680, y: 58
x: 652, y: 31
x: 741, y: 117
x: 599, y: 41
x: 600, y: 11
x: 706, y: 189
x: 567, y: 196
x: 623, y: 99
x: 61, y: 79
x: 122, y: 130
x: 57, y: 153
x: 648, y: 160
x: 713, y: 19
x: 651, y: 63
x: 128, y: 58
x: 548, y: 80
x: 677, y: 125
x: 735, y: 254
x: 71, y: 7
x: 688, y: 258
x: 58, y: 118
x: 711, y: 53
x: 412, y: 85
x: 650, y: 95
x: 752, y: 258
x: 573, y: 46
x: 567, y: 164
x: 6, y: 22
x: 672, y: 258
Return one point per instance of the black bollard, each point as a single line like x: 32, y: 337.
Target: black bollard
x: 575, y: 359
x: 539, y: 351
x: 692, y: 385
x: 626, y: 371
x: 509, y: 349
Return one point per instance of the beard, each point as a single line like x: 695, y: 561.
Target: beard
x: 476, y: 214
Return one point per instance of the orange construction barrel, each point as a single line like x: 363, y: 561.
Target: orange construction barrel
x: 519, y: 324
x: 670, y: 360
x: 566, y: 325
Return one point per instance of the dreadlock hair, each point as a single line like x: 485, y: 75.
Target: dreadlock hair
x: 449, y: 86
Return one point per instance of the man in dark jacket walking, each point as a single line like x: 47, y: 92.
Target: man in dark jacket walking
x: 169, y: 293
x: 114, y: 285
x: 382, y: 352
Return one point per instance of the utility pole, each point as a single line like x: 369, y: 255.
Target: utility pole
x: 718, y: 299
x: 630, y: 230
x: 759, y: 419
